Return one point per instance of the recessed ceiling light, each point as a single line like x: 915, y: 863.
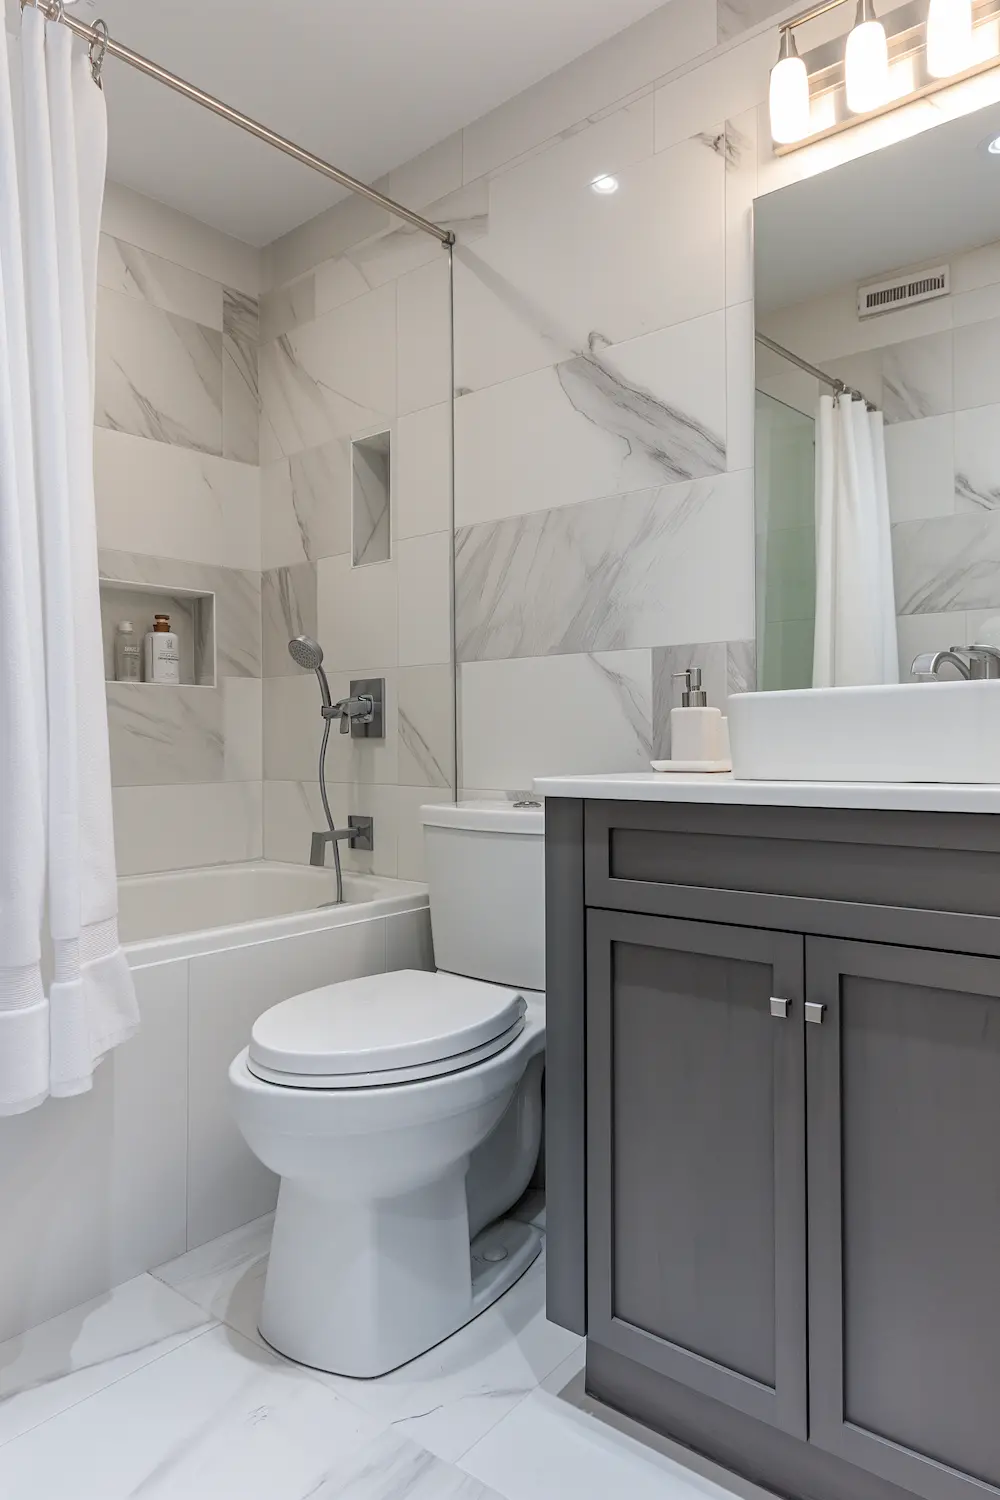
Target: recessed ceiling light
x: 605, y: 184
x: 992, y: 145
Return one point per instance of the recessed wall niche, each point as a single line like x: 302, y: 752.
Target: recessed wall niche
x: 371, y: 489
x: 192, y: 619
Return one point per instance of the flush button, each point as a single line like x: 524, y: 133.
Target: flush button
x: 494, y: 1255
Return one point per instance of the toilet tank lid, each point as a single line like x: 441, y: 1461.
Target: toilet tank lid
x: 496, y: 817
x: 382, y: 1022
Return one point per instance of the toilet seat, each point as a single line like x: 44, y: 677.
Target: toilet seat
x: 385, y: 1029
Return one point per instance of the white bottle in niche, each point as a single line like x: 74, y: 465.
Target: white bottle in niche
x: 162, y: 658
x: 128, y: 653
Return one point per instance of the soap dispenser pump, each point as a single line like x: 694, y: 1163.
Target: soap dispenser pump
x: 699, y: 738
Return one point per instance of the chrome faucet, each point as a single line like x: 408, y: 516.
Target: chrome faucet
x: 983, y: 662
x: 361, y: 709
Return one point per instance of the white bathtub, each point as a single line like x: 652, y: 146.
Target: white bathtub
x: 225, y: 906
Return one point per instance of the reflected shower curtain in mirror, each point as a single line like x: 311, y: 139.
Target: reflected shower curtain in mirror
x: 66, y: 993
x: 855, y: 640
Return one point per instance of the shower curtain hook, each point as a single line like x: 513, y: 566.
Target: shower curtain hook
x: 98, y: 48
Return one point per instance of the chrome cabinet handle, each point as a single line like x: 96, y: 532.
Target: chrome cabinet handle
x: 814, y: 1012
x: 780, y: 1008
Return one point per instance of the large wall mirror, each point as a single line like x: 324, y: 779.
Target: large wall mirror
x: 878, y: 509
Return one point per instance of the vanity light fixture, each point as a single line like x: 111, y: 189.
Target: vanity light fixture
x: 788, y: 95
x: 919, y: 47
x: 949, y: 37
x: 605, y: 184
x: 866, y: 62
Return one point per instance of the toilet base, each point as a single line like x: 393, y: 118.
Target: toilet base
x: 375, y: 1298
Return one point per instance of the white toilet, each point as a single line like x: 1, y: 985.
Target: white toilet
x: 403, y: 1114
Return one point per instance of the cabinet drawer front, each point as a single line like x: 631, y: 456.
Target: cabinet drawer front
x: 909, y: 877
x: 696, y: 1187
x: 904, y: 1214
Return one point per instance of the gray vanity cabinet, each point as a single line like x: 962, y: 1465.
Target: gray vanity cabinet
x: 903, y: 1136
x: 773, y: 1136
x: 696, y: 1137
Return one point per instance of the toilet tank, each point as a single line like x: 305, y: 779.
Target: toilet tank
x: 485, y: 865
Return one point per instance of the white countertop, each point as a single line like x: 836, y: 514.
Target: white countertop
x: 666, y: 786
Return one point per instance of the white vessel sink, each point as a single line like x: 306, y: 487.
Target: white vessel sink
x: 920, y: 731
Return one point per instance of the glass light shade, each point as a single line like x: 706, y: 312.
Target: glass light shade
x: 866, y: 68
x: 788, y: 101
x: 949, y: 37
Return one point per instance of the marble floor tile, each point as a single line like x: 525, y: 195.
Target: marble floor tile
x: 62, y: 1362
x: 557, y: 1442
x: 449, y: 1398
x: 225, y: 1277
x: 218, y: 1417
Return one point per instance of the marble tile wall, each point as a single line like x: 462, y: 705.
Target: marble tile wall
x: 935, y: 372
x: 178, y: 502
x: 603, y: 408
x: 359, y: 346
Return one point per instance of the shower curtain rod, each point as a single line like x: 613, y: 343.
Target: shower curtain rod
x: 839, y: 386
x: 99, y: 39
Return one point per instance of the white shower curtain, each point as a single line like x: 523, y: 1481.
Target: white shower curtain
x: 855, y: 641
x: 66, y: 995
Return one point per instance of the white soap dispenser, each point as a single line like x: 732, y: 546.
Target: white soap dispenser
x: 699, y: 737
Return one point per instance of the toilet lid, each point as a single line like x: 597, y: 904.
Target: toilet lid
x: 380, y: 1024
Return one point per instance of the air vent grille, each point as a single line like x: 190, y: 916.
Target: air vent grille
x: 903, y: 291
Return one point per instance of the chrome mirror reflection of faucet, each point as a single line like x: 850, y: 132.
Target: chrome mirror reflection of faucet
x: 975, y: 663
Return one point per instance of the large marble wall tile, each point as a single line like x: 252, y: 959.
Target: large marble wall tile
x: 164, y: 735
x: 564, y: 269
x: 423, y: 347
x: 921, y: 461
x: 306, y: 505
x: 741, y: 409
x: 240, y: 393
x: 422, y: 471
x: 125, y: 268
x: 542, y: 716
x: 977, y: 364
x: 294, y: 811
x: 977, y: 458
x: 237, y: 602
x: 357, y: 612
x: 947, y: 563
x: 172, y: 502
x: 726, y: 667
x: 426, y: 726
x: 918, y: 378
x: 287, y: 307
x: 633, y: 570
x: 649, y: 412
x: 293, y: 729
x: 177, y: 827
x: 288, y: 609
x: 158, y: 375
x: 671, y: 36
x: 741, y: 190
x: 424, y: 599
x: 722, y: 88
x: 242, y: 731
x: 331, y: 377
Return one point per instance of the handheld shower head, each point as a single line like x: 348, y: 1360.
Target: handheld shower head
x: 307, y: 653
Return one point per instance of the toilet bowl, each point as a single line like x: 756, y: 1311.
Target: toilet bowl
x: 402, y: 1113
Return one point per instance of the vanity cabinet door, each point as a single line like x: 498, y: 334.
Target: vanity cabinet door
x: 696, y: 1157
x: 903, y: 1073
